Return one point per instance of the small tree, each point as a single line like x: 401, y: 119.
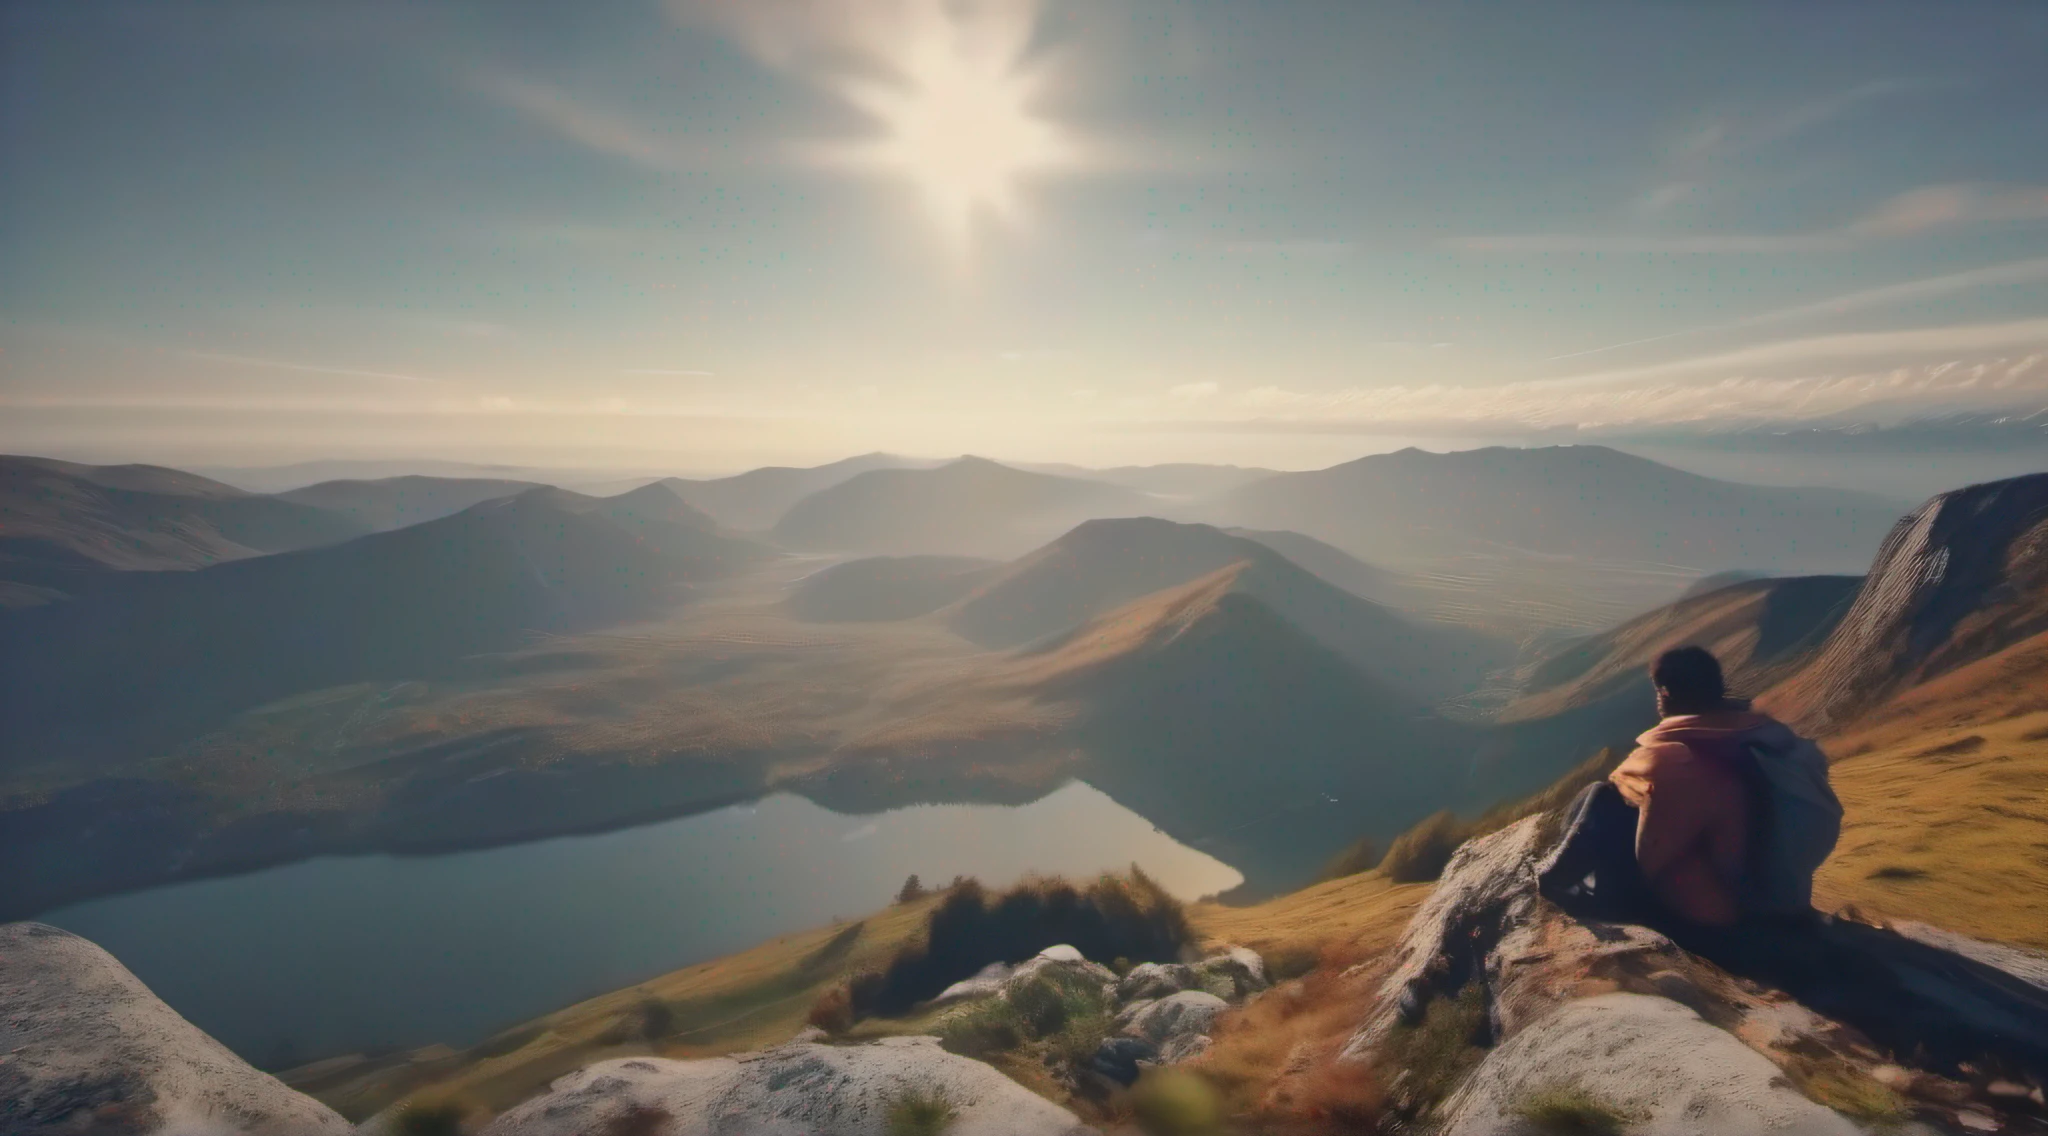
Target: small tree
x: 913, y: 890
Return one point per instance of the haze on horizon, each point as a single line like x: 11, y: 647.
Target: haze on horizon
x: 705, y: 235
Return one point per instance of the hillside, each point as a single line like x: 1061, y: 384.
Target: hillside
x: 1761, y: 630
x: 151, y: 657
x: 1590, y: 502
x: 1959, y: 579
x: 1174, y: 480
x: 665, y: 524
x: 1336, y: 566
x: 1103, y: 564
x: 755, y: 500
x: 395, y: 502
x: 61, y: 524
x: 970, y: 507
x: 1186, y: 700
x: 882, y: 588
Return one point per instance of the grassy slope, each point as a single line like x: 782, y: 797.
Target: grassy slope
x: 760, y: 996
x: 1943, y: 790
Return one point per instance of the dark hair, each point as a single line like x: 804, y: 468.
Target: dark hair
x: 1691, y: 676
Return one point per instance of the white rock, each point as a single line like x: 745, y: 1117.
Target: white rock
x: 86, y: 1048
x: 1062, y: 953
x: 986, y: 984
x: 796, y: 1090
x: 1149, y: 980
x: 1649, y: 1058
x: 1178, y: 1016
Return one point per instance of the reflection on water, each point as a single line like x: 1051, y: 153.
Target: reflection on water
x: 343, y: 954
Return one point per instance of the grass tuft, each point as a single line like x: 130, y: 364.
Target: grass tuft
x: 919, y: 1112
x: 1568, y: 1110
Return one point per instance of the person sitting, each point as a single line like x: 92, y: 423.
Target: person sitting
x: 1720, y: 815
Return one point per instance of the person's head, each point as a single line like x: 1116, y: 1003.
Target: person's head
x: 1688, y: 681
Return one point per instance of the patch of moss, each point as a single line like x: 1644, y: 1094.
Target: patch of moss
x: 1434, y: 1056
x: 1569, y: 1110
x: 982, y: 1030
x: 1849, y: 1092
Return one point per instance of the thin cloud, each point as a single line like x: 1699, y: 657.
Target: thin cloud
x: 1194, y: 391
x: 1847, y: 346
x: 1909, y: 214
x: 595, y: 128
x: 666, y: 371
x: 2013, y: 274
x: 306, y: 368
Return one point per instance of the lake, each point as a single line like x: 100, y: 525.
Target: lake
x: 344, y: 954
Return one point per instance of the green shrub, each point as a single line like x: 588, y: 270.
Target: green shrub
x: 657, y: 1020
x: 1128, y: 915
x: 1436, y: 1054
x: 982, y: 1030
x: 919, y: 1112
x: 833, y: 1011
x: 1421, y: 853
x: 1040, y: 1005
x: 1362, y: 856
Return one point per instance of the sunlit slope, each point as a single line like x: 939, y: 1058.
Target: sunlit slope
x: 1761, y: 630
x: 970, y: 507
x: 1102, y: 564
x: 1959, y: 579
x: 1237, y: 732
x: 62, y: 524
x: 1946, y: 788
x: 1589, y: 502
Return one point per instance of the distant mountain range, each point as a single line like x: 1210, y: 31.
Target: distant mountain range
x: 1589, y: 502
x: 754, y: 501
x: 395, y: 502
x: 884, y: 588
x: 62, y: 525
x: 970, y: 507
x: 1101, y: 565
x: 146, y: 657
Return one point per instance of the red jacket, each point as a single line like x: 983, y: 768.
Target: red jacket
x: 1693, y: 837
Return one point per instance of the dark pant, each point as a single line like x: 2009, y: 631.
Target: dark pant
x: 1593, y: 871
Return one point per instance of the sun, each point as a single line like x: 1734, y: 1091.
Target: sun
x: 960, y: 122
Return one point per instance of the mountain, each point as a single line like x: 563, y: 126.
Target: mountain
x: 1334, y: 565
x: 1761, y: 630
x: 755, y: 500
x: 148, y: 658
x: 1184, y: 480
x: 1100, y: 565
x: 1238, y: 732
x: 395, y: 502
x: 1960, y: 579
x: 62, y: 524
x: 969, y: 507
x: 655, y: 516
x: 883, y: 588
x: 1588, y: 502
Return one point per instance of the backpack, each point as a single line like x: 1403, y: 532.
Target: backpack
x: 1800, y: 821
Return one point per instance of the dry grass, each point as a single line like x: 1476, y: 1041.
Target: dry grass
x: 745, y: 1001
x: 1945, y: 821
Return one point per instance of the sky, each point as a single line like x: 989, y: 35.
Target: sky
x: 702, y: 235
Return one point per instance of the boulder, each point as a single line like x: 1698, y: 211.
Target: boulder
x: 85, y: 1048
x: 1121, y: 1058
x: 1617, y: 1016
x: 1151, y: 980
x: 1171, y: 1020
x: 794, y: 1090
x: 1651, y: 1061
x: 1075, y: 973
x: 1233, y: 974
x: 986, y: 984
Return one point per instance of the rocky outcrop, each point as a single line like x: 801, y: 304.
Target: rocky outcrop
x: 87, y: 1050
x: 1614, y: 1021
x: 1960, y: 578
x: 796, y: 1090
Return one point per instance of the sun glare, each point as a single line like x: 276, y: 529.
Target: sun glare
x: 960, y: 124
